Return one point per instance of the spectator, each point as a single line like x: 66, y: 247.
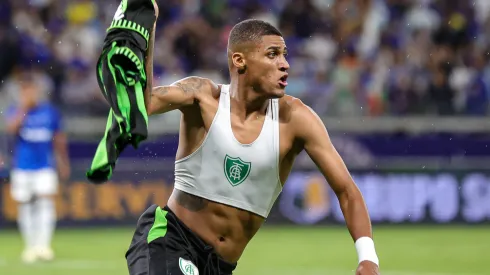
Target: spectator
x: 348, y: 57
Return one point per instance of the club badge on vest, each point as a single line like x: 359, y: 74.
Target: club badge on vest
x: 236, y: 170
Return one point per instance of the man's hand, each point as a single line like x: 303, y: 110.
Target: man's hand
x: 367, y: 268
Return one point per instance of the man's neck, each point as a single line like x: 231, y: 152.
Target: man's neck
x: 245, y: 101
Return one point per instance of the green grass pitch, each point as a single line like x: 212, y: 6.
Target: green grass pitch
x: 407, y: 250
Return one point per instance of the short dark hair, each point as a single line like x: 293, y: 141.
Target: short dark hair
x: 251, y: 30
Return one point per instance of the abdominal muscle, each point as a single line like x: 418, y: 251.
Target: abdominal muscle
x: 227, y: 229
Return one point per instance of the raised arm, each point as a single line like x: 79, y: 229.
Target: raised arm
x: 163, y: 99
x: 149, y: 67
x: 316, y: 141
x: 183, y: 93
x: 149, y: 59
x: 180, y: 94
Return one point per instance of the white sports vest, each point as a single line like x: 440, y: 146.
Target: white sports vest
x: 223, y: 170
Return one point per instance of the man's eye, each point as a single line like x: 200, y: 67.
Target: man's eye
x: 272, y: 54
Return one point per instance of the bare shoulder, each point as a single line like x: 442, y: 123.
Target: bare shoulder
x: 293, y: 110
x: 198, y: 86
x: 299, y: 117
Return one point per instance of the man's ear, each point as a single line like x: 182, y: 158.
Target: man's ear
x: 239, y: 62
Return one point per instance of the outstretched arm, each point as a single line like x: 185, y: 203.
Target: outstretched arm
x: 317, y: 144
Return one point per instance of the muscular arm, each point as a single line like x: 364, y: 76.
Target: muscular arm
x: 149, y: 68
x: 180, y: 94
x: 149, y: 60
x: 317, y: 144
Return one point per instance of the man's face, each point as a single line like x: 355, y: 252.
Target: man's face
x: 267, y: 66
x: 29, y: 90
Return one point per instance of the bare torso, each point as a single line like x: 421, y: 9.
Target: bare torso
x: 227, y: 228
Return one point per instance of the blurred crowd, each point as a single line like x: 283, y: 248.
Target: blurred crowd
x: 347, y: 57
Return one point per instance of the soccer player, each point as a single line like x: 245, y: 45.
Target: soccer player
x: 40, y: 147
x: 237, y: 144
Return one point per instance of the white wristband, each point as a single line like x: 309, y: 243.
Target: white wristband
x: 365, y: 250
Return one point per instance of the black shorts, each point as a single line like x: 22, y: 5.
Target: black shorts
x: 163, y: 245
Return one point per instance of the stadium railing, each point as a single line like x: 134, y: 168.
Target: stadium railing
x: 169, y: 123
